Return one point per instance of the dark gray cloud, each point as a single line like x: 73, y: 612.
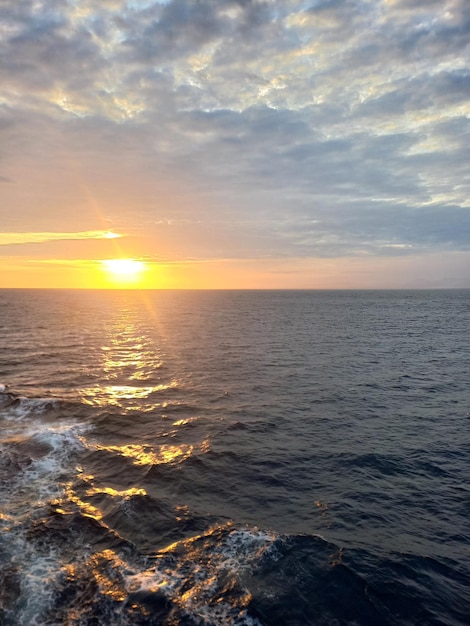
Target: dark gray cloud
x: 160, y: 33
x: 43, y: 50
x: 374, y: 230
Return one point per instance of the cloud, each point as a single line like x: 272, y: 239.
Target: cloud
x: 8, y: 239
x: 259, y: 129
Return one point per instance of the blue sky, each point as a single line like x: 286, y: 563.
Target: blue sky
x: 296, y: 137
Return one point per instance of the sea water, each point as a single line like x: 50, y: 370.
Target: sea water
x: 273, y: 458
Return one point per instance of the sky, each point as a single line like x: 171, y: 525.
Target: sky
x: 235, y: 143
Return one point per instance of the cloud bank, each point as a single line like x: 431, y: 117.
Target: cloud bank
x: 240, y: 128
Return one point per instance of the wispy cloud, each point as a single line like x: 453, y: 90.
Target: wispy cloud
x: 7, y: 239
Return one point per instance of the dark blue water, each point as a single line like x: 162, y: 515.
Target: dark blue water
x: 234, y: 458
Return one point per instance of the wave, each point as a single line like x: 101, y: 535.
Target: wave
x: 16, y: 407
x: 226, y: 576
x: 36, y: 453
x: 97, y: 528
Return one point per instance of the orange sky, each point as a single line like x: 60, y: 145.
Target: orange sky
x: 346, y: 273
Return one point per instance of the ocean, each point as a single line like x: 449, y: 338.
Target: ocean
x: 243, y: 458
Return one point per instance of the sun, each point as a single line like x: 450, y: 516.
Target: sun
x: 124, y: 271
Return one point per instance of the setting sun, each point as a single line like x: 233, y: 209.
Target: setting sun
x: 124, y: 271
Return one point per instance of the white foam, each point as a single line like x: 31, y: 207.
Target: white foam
x: 42, y: 476
x: 21, y: 408
x: 68, y: 435
x: 190, y: 578
x: 40, y: 577
x: 37, y: 481
x: 242, y: 547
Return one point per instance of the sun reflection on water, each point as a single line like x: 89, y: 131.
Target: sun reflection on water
x: 130, y: 365
x: 135, y: 354
x: 62, y: 505
x: 101, y: 566
x: 134, y: 379
x: 116, y: 493
x: 146, y: 455
x: 114, y: 395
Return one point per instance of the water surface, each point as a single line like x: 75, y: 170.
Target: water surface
x: 257, y: 458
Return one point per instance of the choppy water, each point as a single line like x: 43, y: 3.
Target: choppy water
x: 234, y: 458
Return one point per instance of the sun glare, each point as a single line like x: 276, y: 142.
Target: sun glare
x: 124, y: 271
